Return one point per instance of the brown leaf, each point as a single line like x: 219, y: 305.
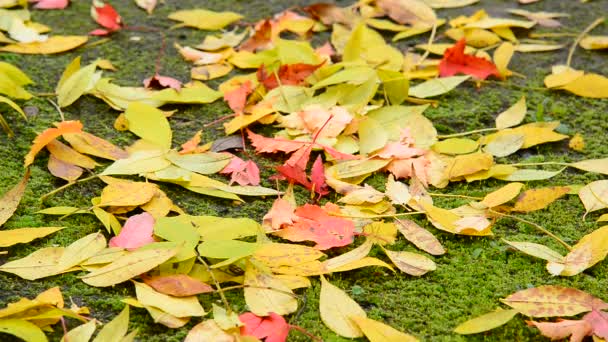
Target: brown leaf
x: 178, y: 285
x: 64, y: 170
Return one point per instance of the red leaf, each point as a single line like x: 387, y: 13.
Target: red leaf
x: 136, y: 232
x: 289, y: 74
x: 158, y: 81
x: 100, y: 32
x: 455, y: 61
x: 50, y: 4
x: 295, y: 174
x: 274, y: 327
x: 243, y: 172
x: 178, y: 285
x: 317, y: 176
x: 105, y: 15
x: 315, y: 224
x: 282, y: 212
x: 260, y: 39
x: 237, y: 98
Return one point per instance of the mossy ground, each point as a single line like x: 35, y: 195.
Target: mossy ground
x: 470, y: 279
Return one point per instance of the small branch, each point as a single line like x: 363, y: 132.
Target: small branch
x: 578, y: 39
x: 467, y: 133
x: 537, y: 226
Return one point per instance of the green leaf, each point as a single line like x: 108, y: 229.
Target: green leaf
x: 523, y: 175
x: 436, y: 86
x: 197, y: 93
x: 179, y: 231
x: 204, y: 163
x: 115, y: 329
x: 76, y: 84
x: 372, y: 136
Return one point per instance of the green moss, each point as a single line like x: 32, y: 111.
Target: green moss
x: 470, y: 278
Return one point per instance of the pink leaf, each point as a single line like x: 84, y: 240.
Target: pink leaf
x: 158, y: 81
x: 136, y: 232
x: 50, y: 4
x: 243, y: 172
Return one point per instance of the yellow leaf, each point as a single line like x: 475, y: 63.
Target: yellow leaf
x: 537, y: 47
x: 159, y: 206
x: 10, y: 200
x: 24, y: 235
x: 487, y: 23
x: 486, y: 322
x: 129, y: 266
x: 81, y: 333
x: 210, y: 72
x: 594, y: 195
x: 40, y: 264
x: 381, y: 233
x: 513, y: 116
x: 463, y: 165
x: 166, y: 319
x: 550, y: 301
x: 589, y: 85
x: 594, y: 42
x: 267, y: 294
x: 536, y: 250
x: 561, y: 75
x: 22, y: 329
x: 76, y: 84
x: 80, y: 250
x: 449, y: 3
x: 149, y: 124
x: 127, y: 194
x: 69, y: 155
x: 577, y: 143
x: 276, y: 255
x: 411, y: 263
x: 54, y: 44
x: 365, y: 262
x: 106, y: 65
x: 351, y: 256
x: 456, y: 146
x: 502, y: 195
x: 379, y: 332
x: 537, y: 199
x: 337, y: 308
x: 204, y: 19
x: 175, y: 306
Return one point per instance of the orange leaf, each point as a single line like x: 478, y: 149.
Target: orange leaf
x: 49, y: 135
x: 560, y: 330
x: 282, y: 212
x: 455, y: 61
x: 237, y: 98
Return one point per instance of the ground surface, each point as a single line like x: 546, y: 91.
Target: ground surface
x: 471, y: 277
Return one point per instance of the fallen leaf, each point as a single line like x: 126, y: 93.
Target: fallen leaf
x: 175, y: 306
x: 576, y: 329
x: 105, y: 15
x: 336, y: 309
x: 594, y: 42
x: 379, y: 332
x: 136, y: 232
x: 82, y: 332
x: 160, y: 82
x: 178, y: 285
x: 61, y: 169
x: 148, y: 5
x: 537, y: 199
x: 455, y: 61
x: 513, y: 116
x: 281, y: 213
x: 594, y: 196
x: 204, y: 19
x: 267, y: 293
x: 436, y: 86
x: 411, y: 263
x: 54, y: 44
x: 273, y: 328
x: 49, y: 135
x: 486, y: 322
x: 25, y: 235
x: 242, y: 172
x: 10, y: 200
x: 408, y: 11
x: 22, y: 329
x: 127, y: 193
x: 592, y: 165
x: 149, y: 124
x: 208, y: 331
x: 116, y: 329
x: 420, y: 237
x: 550, y: 300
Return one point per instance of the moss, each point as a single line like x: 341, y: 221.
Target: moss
x: 470, y: 278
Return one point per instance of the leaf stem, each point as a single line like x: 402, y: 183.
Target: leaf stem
x: 217, y: 284
x: 305, y: 332
x: 535, y: 225
x: 467, y: 133
x: 57, y: 108
x: 63, y: 187
x: 578, y: 39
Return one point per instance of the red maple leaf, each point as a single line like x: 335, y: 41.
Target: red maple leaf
x: 243, y: 172
x: 289, y: 74
x: 313, y: 223
x: 237, y: 98
x: 274, y: 327
x: 455, y: 61
x: 105, y: 15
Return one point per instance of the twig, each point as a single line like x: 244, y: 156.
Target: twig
x: 431, y: 38
x: 305, y: 332
x: 537, y: 226
x: 581, y: 36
